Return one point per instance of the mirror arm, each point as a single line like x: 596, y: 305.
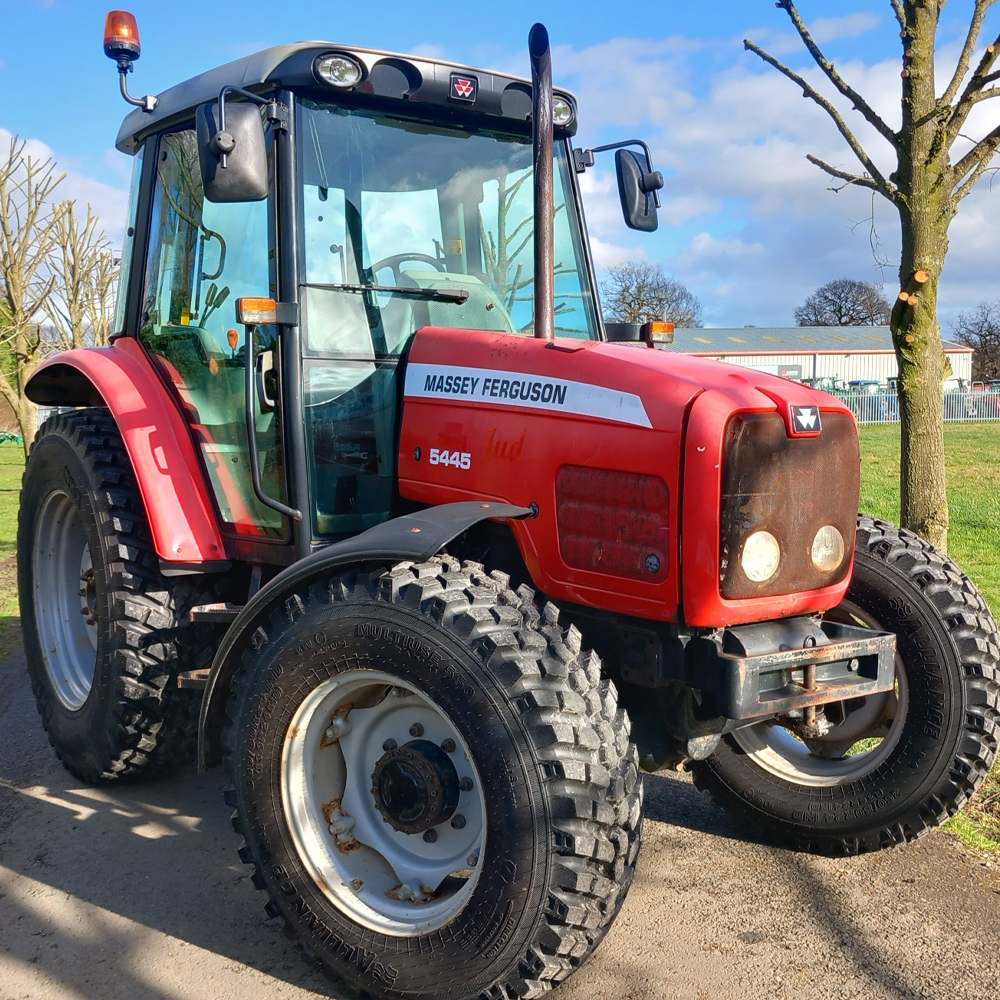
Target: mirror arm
x: 222, y: 141
x: 585, y: 158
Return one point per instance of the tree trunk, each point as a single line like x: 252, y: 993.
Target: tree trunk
x: 920, y: 353
x: 27, y: 417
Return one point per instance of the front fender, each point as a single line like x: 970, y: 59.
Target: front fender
x: 413, y: 537
x: 176, y: 498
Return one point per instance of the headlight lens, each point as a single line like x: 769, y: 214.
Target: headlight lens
x: 761, y: 555
x: 827, y: 549
x: 339, y: 71
x: 562, y: 111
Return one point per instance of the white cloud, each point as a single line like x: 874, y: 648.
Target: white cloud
x: 829, y: 29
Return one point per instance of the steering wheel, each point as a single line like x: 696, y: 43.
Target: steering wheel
x: 398, y: 259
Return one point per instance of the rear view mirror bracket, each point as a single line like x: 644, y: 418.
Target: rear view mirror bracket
x: 231, y: 145
x: 638, y: 182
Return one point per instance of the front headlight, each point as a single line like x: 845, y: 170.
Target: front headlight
x: 761, y: 555
x: 827, y: 549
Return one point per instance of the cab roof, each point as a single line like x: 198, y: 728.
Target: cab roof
x: 388, y: 76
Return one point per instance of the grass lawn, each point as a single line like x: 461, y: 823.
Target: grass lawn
x: 973, y: 458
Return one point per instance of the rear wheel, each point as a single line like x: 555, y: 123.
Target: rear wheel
x: 436, y: 787
x: 894, y: 765
x: 103, y: 629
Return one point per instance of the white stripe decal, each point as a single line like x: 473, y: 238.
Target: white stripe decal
x: 506, y: 388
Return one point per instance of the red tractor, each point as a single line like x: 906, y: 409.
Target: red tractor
x: 366, y: 501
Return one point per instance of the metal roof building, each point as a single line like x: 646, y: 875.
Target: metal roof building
x: 847, y: 353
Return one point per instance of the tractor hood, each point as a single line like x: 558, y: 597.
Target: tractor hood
x: 603, y: 439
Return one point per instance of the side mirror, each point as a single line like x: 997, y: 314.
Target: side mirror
x: 637, y: 189
x: 234, y: 160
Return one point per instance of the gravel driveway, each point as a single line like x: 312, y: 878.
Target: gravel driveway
x: 136, y: 891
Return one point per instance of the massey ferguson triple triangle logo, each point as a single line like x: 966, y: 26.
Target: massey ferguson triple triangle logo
x: 464, y: 88
x: 805, y: 421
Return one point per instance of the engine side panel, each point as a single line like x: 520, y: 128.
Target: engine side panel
x: 595, y: 446
x: 175, y: 495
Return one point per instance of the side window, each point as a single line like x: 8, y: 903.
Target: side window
x: 128, y: 245
x: 202, y: 257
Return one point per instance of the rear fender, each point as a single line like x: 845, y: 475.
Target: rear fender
x: 414, y: 537
x: 174, y: 492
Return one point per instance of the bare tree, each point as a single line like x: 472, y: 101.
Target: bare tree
x: 27, y: 237
x: 637, y: 292
x: 936, y: 166
x: 980, y: 330
x: 844, y: 302
x: 82, y: 264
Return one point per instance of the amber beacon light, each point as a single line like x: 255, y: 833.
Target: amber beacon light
x: 121, y: 43
x: 121, y: 36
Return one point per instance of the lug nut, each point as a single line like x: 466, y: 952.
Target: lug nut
x: 448, y: 746
x: 390, y: 744
x: 465, y: 784
x: 416, y: 729
x: 457, y: 821
x: 430, y: 836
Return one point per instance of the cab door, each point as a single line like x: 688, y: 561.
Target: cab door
x: 201, y: 257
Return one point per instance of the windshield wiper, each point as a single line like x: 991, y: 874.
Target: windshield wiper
x: 443, y: 294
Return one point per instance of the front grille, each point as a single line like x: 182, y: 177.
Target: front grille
x: 790, y: 487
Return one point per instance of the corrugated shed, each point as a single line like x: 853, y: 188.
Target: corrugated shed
x: 847, y: 353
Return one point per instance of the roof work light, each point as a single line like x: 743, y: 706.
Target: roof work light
x: 121, y: 43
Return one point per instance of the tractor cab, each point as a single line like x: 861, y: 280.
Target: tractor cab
x: 371, y: 195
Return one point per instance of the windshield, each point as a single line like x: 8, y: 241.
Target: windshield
x: 407, y: 224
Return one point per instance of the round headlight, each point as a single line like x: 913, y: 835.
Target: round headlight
x: 827, y: 549
x: 339, y: 71
x: 562, y: 111
x: 761, y: 555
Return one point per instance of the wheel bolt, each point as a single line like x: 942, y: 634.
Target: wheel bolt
x: 390, y: 744
x: 448, y: 746
x: 430, y: 836
x: 465, y: 784
x: 416, y: 729
x: 457, y: 821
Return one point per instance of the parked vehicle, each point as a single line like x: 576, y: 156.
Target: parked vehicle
x: 362, y: 481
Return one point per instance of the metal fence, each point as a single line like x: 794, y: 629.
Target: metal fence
x: 883, y: 407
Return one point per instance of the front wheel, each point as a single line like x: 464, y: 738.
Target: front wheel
x: 436, y: 786
x: 891, y: 766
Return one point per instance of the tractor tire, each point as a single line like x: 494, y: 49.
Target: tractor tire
x: 104, y: 633
x: 898, y: 764
x: 435, y: 785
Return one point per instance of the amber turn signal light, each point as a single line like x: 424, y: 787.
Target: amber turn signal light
x: 256, y: 312
x: 121, y: 35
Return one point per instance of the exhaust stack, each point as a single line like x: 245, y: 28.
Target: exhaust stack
x: 542, y: 146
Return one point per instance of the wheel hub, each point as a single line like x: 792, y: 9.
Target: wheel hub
x: 415, y: 786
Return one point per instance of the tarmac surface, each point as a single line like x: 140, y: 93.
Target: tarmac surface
x: 136, y: 892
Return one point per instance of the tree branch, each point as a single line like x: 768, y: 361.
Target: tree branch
x: 860, y: 104
x: 982, y: 152
x: 883, y: 187
x: 979, y: 79
x: 842, y: 175
x: 964, y: 59
x: 897, y: 7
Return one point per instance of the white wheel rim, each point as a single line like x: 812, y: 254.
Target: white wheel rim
x: 64, y: 600
x: 392, y: 882
x: 775, y: 750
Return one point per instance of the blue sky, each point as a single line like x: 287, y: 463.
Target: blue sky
x: 747, y: 223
